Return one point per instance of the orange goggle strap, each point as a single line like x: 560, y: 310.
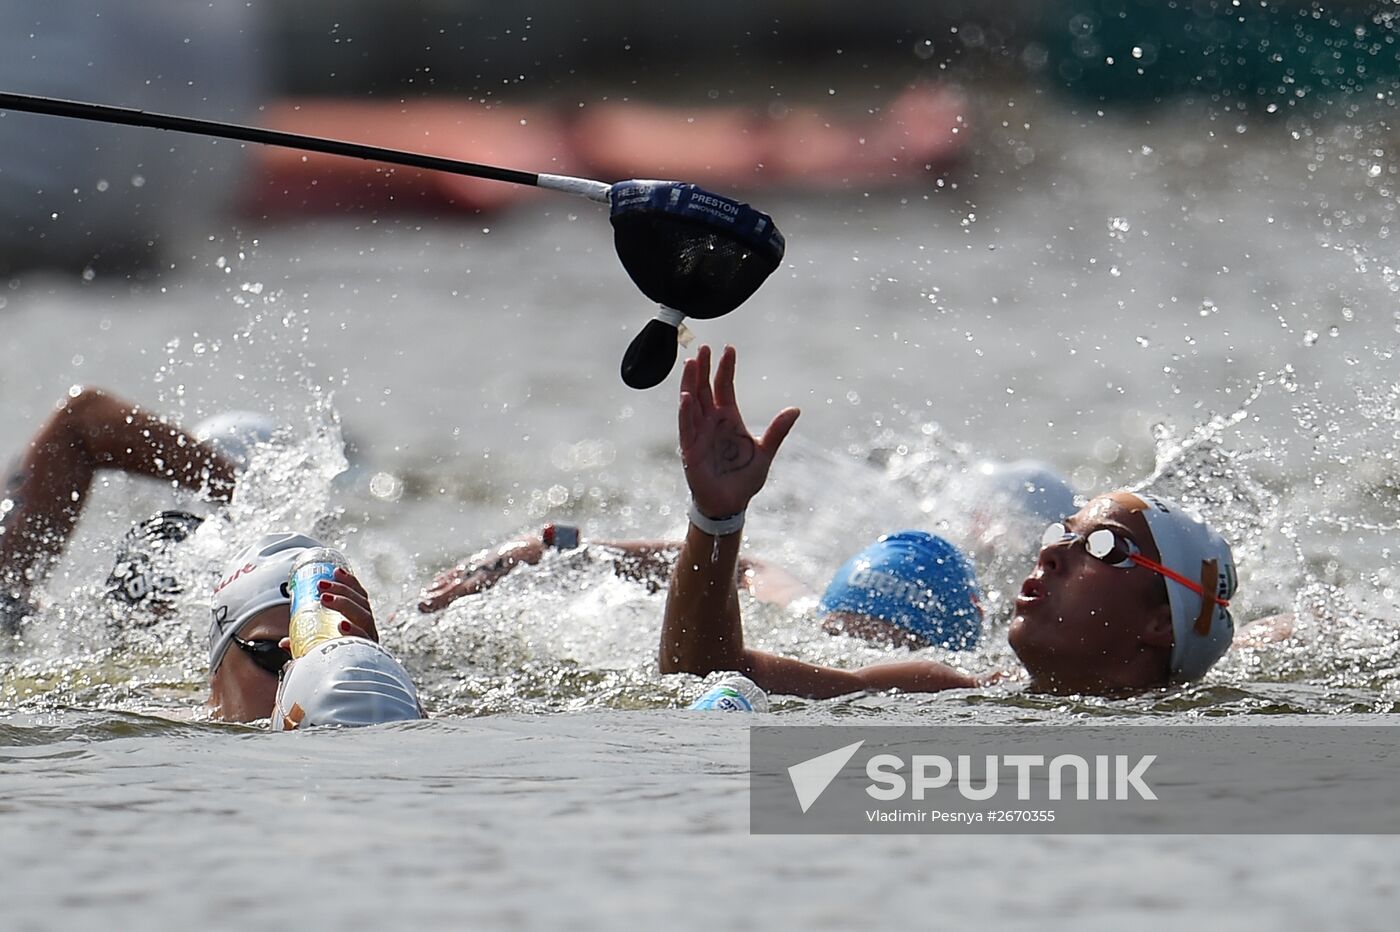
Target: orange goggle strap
x: 1210, y: 576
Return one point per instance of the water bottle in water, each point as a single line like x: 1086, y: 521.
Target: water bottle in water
x: 313, y: 623
x: 734, y: 693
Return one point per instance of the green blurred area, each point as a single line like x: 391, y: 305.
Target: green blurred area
x: 1133, y: 51
x: 1280, y: 54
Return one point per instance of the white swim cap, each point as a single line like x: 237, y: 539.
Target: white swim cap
x: 347, y: 681
x: 1202, y: 628
x: 1028, y: 485
x: 236, y: 433
x: 251, y: 582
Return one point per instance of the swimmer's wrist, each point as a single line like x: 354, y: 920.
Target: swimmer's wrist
x: 716, y: 527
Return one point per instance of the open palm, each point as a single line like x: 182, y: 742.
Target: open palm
x: 724, y: 465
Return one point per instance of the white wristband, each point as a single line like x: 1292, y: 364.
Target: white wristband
x: 716, y: 527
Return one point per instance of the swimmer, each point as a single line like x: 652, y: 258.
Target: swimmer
x: 44, y: 493
x: 1127, y: 594
x: 909, y: 589
x: 43, y: 500
x: 339, y: 682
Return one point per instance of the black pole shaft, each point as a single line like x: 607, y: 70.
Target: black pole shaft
x: 122, y: 115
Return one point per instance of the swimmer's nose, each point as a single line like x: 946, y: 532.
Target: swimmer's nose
x: 1051, y: 559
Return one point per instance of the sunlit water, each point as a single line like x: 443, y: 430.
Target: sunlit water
x: 1204, y: 307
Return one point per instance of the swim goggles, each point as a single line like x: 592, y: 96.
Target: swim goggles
x: 265, y: 652
x: 1117, y: 550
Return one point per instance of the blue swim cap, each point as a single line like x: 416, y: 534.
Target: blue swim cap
x: 916, y: 581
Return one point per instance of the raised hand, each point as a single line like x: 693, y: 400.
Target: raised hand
x: 725, y: 465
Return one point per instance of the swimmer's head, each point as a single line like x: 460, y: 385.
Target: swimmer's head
x: 1005, y: 504
x: 1113, y: 602
x: 1027, y: 486
x: 143, y: 575
x: 917, y: 582
x: 346, y: 681
x: 236, y: 434
x: 1201, y: 624
x: 254, y: 581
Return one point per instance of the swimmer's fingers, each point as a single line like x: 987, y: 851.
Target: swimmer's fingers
x: 351, y: 630
x: 352, y: 604
x: 345, y: 576
x: 701, y: 389
x: 691, y: 426
x: 777, y: 431
x: 724, y: 379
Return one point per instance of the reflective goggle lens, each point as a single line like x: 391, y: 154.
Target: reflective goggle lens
x: 1102, y: 543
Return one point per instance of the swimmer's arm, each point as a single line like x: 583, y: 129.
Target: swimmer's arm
x: 479, y: 572
x: 89, y: 431
x: 790, y: 677
x: 702, y: 630
x: 725, y: 467
x: 646, y: 561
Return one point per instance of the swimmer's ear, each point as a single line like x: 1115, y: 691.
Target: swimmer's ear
x: 1158, y: 630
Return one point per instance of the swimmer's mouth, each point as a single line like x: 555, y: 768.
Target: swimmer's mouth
x: 1033, y: 593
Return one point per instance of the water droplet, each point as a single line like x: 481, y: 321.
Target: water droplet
x: 386, y: 487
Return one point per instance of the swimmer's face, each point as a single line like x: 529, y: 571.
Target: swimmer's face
x: 241, y: 690
x: 1082, y: 625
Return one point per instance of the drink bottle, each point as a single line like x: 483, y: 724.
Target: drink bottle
x: 734, y: 693
x: 313, y: 623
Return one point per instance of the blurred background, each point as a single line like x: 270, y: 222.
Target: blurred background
x: 1151, y: 242
x: 823, y: 95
